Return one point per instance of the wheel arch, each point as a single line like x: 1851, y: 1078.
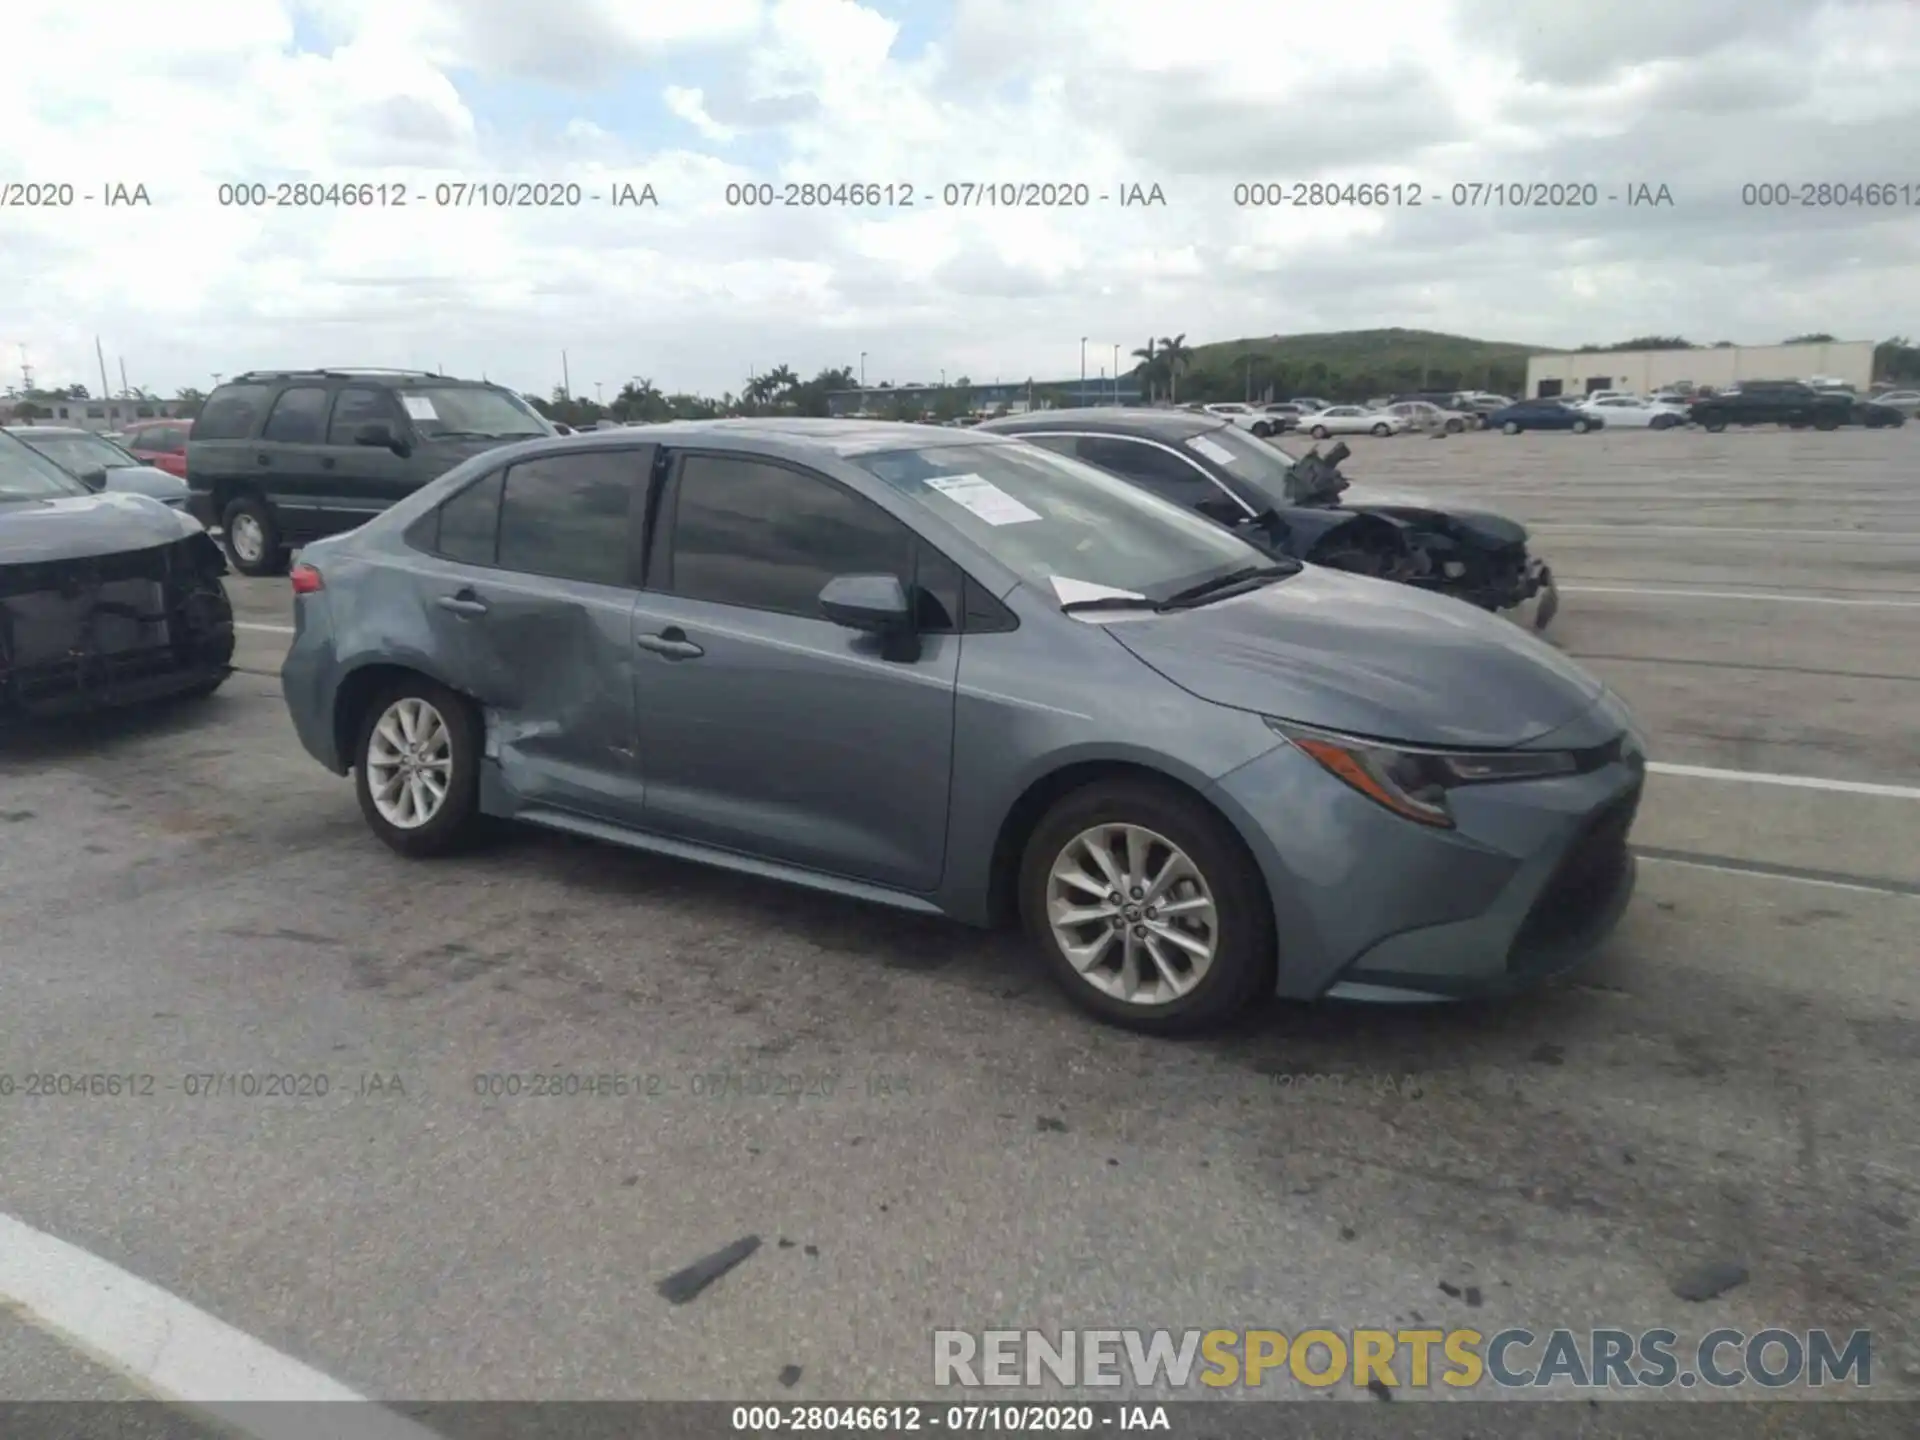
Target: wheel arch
x: 1024, y: 815
x: 357, y: 690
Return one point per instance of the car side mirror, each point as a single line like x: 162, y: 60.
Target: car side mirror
x: 381, y: 433
x: 95, y: 479
x: 876, y: 604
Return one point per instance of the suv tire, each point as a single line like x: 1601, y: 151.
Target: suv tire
x: 252, y: 538
x: 1158, y: 822
x: 417, y: 730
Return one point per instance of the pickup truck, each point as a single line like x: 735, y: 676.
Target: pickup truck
x: 1781, y: 404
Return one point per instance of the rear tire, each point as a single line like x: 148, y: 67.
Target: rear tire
x: 401, y: 718
x: 1320, y: 432
x: 1262, y: 430
x: 1714, y: 427
x: 252, y: 537
x: 1826, y: 422
x: 1512, y: 427
x: 1580, y: 427
x: 1454, y: 427
x: 1382, y: 431
x: 1218, y: 880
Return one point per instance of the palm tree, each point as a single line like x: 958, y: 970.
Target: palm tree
x: 781, y: 383
x: 1175, y: 356
x: 1148, y: 370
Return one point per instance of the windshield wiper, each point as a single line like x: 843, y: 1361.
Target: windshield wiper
x: 1231, y: 582
x: 1108, y: 602
x: 463, y: 435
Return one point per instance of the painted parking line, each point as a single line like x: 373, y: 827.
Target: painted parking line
x: 175, y: 1351
x: 1797, y: 782
x: 269, y: 629
x: 1875, y: 537
x: 1745, y: 595
x: 1767, y: 870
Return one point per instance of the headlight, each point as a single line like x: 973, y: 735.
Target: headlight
x: 1414, y: 782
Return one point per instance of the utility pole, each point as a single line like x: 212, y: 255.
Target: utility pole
x: 863, y: 369
x: 1116, y: 374
x: 566, y: 380
x: 1083, y: 369
x: 106, y: 386
x: 125, y: 389
x: 26, y: 372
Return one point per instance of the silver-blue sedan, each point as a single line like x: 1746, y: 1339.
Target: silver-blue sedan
x: 101, y: 465
x: 961, y: 675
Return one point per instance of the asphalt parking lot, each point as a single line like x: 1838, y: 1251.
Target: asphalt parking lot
x: 1735, y: 1079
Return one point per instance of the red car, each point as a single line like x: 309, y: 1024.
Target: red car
x: 160, y: 443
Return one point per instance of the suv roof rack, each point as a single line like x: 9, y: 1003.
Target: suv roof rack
x: 334, y: 370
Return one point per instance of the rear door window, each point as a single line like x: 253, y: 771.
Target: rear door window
x: 298, y: 417
x: 470, y: 522
x: 570, y: 515
x: 355, y: 406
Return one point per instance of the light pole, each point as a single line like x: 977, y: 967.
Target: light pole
x: 863, y: 369
x: 1116, y: 374
x: 1083, y: 369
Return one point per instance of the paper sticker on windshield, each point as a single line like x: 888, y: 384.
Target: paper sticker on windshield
x: 1215, y: 452
x: 983, y: 498
x: 419, y: 407
x: 1070, y: 591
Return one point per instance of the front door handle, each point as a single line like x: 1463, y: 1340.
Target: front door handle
x: 326, y: 462
x: 465, y: 603
x: 263, y: 459
x: 672, y: 643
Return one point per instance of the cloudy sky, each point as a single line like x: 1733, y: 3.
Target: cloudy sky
x: 694, y: 96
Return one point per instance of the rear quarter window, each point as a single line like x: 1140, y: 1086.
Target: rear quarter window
x: 231, y: 412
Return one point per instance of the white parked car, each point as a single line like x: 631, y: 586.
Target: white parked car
x: 1426, y: 416
x: 1246, y: 417
x: 1351, y: 420
x: 1630, y: 412
x: 1905, y: 401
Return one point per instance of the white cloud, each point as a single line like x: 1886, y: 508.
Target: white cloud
x: 1195, y: 98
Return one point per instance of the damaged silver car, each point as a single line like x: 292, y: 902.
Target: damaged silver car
x: 105, y: 599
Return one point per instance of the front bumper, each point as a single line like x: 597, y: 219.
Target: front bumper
x: 1372, y: 906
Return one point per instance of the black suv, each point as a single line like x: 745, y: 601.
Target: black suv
x: 280, y: 457
x: 1772, y: 402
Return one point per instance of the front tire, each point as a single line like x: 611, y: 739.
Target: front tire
x: 1714, y: 427
x: 1512, y: 427
x: 1320, y: 432
x: 416, y: 768
x: 1454, y: 427
x: 1147, y: 909
x: 253, y: 540
x: 1382, y: 431
x: 1826, y: 422
x: 1580, y: 427
x: 1262, y: 430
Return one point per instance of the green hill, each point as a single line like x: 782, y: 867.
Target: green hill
x: 1353, y: 365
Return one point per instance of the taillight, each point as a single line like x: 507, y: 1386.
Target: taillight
x: 306, y: 580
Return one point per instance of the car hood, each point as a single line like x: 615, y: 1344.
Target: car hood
x: 1482, y: 525
x: 69, y: 528
x: 146, y: 480
x: 1367, y: 657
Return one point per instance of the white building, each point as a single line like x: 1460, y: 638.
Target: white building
x: 107, y: 414
x: 1643, y: 371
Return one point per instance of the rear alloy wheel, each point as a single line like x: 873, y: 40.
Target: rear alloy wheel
x: 1320, y: 432
x: 1383, y: 431
x: 1512, y: 427
x: 253, y: 538
x: 416, y: 768
x: 1149, y: 912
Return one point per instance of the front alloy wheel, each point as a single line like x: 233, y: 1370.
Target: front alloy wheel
x: 1133, y: 914
x: 1150, y: 912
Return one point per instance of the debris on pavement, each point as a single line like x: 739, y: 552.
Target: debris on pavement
x: 683, y: 1285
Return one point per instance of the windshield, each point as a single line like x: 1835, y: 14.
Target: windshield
x: 1260, y: 463
x: 469, y: 412
x: 25, y: 474
x: 1052, y: 520
x: 77, y: 454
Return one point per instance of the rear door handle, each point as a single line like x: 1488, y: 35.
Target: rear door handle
x: 326, y: 462
x: 465, y: 603
x: 263, y: 459
x: 672, y: 643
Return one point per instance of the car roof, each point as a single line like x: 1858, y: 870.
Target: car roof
x: 801, y: 432
x: 363, y: 375
x: 49, y: 430
x: 1114, y: 420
